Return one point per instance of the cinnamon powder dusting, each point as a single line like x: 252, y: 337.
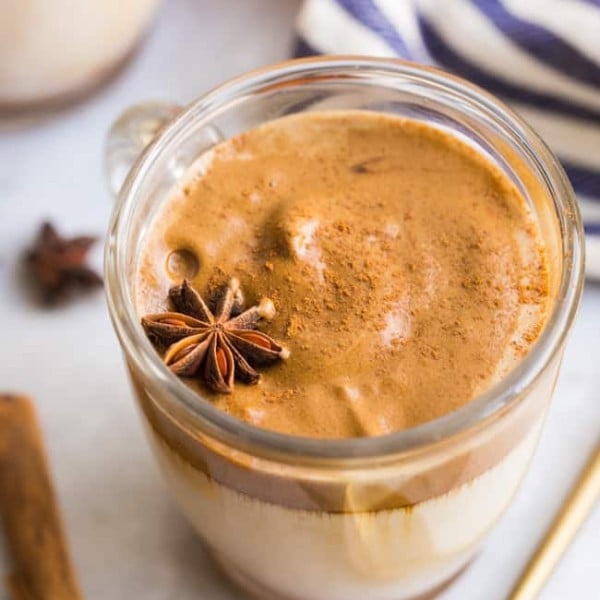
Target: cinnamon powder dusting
x: 406, y: 271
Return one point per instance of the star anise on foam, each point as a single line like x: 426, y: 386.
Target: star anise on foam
x: 59, y: 264
x: 218, y: 346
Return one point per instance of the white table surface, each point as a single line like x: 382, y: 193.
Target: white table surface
x: 127, y: 539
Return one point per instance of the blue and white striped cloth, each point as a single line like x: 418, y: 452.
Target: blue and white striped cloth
x: 541, y: 56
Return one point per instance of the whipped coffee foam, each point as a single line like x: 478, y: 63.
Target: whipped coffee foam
x: 406, y: 269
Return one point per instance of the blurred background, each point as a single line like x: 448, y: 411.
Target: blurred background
x: 64, y: 79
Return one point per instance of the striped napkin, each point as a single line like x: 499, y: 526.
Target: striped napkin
x: 541, y: 56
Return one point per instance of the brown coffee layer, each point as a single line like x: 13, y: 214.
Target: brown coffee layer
x: 459, y: 461
x: 406, y: 269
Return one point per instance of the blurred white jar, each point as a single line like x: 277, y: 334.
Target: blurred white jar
x: 52, y: 50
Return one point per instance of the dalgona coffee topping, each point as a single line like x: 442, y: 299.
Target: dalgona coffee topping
x: 406, y: 269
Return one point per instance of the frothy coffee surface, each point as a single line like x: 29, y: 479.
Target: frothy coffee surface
x: 407, y: 272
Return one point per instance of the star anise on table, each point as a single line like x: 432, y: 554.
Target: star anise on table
x: 218, y: 346
x: 59, y: 264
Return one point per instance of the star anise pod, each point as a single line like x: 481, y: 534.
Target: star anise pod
x: 59, y: 264
x: 219, y: 346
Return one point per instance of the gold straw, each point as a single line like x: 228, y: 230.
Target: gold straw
x: 572, y: 515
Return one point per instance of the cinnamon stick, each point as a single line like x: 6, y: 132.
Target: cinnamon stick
x: 29, y: 511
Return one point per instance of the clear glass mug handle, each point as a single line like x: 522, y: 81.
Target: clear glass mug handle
x: 130, y: 134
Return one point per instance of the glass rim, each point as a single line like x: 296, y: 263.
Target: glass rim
x: 256, y: 440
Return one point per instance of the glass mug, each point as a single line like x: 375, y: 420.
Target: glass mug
x: 384, y: 518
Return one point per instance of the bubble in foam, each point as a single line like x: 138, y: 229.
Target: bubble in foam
x: 182, y: 264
